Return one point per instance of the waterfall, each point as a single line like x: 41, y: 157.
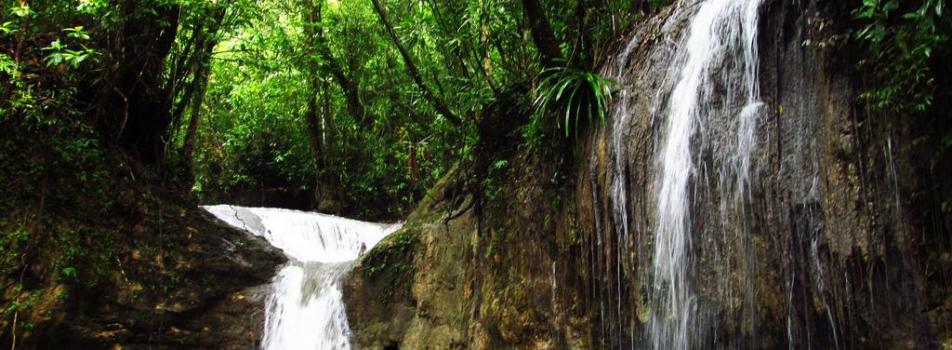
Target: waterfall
x: 716, y: 79
x: 304, y: 307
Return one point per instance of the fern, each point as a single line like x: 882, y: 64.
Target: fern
x: 574, y: 96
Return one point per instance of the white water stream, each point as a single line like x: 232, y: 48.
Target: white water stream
x: 304, y: 307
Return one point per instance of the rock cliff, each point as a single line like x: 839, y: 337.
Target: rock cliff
x: 840, y: 240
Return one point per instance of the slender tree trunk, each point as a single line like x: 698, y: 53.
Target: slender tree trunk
x: 585, y: 18
x: 183, y: 63
x: 412, y: 167
x: 315, y: 125
x: 317, y: 117
x: 315, y: 137
x: 351, y: 88
x: 330, y: 128
x: 639, y: 6
x: 187, y: 62
x: 412, y: 69
x: 332, y: 189
x: 200, y: 85
x: 179, y: 109
x: 550, y: 53
x: 21, y: 37
x: 191, y: 133
x: 135, y: 107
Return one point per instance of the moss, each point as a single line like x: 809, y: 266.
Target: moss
x: 392, y: 262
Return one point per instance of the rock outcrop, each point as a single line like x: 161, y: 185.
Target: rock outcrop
x: 175, y: 278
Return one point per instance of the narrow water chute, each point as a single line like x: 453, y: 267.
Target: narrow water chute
x: 304, y: 307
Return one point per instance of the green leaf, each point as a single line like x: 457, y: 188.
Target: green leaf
x: 76, y: 33
x: 8, y: 28
x: 69, y: 271
x: 22, y: 11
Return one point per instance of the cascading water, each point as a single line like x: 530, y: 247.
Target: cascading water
x: 304, y: 308
x: 618, y: 192
x: 718, y: 53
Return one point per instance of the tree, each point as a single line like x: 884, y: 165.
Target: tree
x: 314, y: 30
x: 200, y: 83
x: 133, y: 106
x: 640, y: 6
x: 550, y: 54
x: 412, y: 69
x: 314, y: 115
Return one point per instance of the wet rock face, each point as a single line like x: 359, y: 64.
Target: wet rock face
x: 821, y: 251
x: 837, y: 241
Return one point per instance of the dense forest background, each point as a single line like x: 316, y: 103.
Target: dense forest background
x: 352, y: 107
x: 349, y: 107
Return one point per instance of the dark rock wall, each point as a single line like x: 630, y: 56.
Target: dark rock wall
x: 179, y: 279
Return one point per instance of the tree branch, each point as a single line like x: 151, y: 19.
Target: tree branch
x: 412, y: 69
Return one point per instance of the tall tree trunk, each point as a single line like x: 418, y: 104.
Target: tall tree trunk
x: 191, y: 132
x: 639, y: 6
x: 200, y: 85
x: 577, y: 25
x: 550, y: 53
x: 412, y: 69
x: 184, y: 65
x: 135, y: 107
x: 318, y: 107
x: 585, y: 19
x: 315, y: 32
x: 315, y: 137
x: 332, y: 189
x: 412, y: 168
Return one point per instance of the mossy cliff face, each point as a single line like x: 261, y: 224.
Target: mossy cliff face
x: 842, y: 243
x: 405, y: 291
x: 464, y: 275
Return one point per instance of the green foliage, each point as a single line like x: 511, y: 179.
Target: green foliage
x: 493, y: 181
x: 22, y: 10
x: 7, y: 65
x: 60, y: 53
x: 903, y: 38
x: 255, y: 135
x: 577, y: 97
x: 13, y: 240
x: 270, y: 72
x: 267, y: 72
x: 54, y: 168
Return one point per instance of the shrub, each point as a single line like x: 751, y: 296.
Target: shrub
x: 575, y: 97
